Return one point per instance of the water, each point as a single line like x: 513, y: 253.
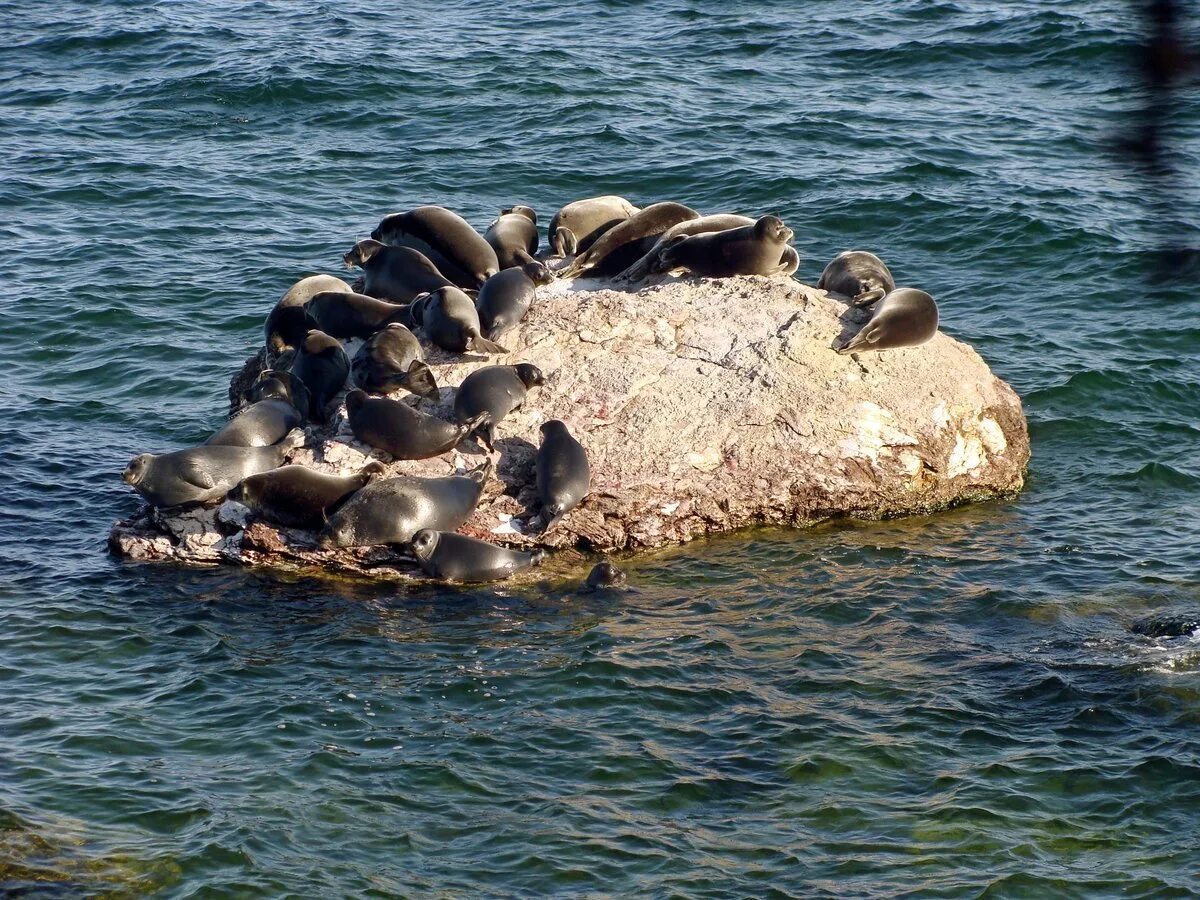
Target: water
x: 948, y: 706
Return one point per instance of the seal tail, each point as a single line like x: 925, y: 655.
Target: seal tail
x: 481, y: 427
x: 555, y: 514
x: 483, y: 345
x: 373, y: 470
x: 419, y: 379
x: 864, y: 340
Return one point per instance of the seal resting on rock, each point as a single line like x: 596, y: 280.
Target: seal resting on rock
x: 859, y: 275
x: 322, y: 365
x: 456, y: 557
x: 396, y: 428
x: 288, y: 322
x: 646, y: 223
x: 906, y: 317
x: 276, y: 384
x: 506, y: 297
x: 492, y: 393
x: 580, y: 223
x: 756, y: 249
x: 392, y: 359
x: 260, y: 424
x: 202, y: 474
x: 342, y: 315
x: 514, y: 236
x: 392, y: 510
x: 449, y: 318
x: 562, y: 472
x: 393, y: 273
x: 300, y: 497
x: 457, y: 249
x: 720, y: 222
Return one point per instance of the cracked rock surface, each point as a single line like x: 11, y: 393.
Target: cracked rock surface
x: 704, y: 406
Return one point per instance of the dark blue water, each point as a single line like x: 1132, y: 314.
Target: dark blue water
x: 951, y: 706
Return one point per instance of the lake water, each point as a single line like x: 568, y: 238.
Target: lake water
x: 944, y: 706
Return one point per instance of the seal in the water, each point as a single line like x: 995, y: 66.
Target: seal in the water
x: 392, y: 510
x: 562, y: 471
x: 578, y: 225
x: 300, y: 497
x: 342, y: 315
x: 393, y: 359
x: 1176, y: 626
x: 718, y: 222
x: 649, y: 222
x: 750, y: 250
x: 405, y: 433
x: 260, y: 424
x: 906, y: 317
x: 514, y: 236
x: 202, y: 474
x: 604, y: 575
x: 276, y: 384
x: 859, y: 275
x: 494, y: 392
x: 448, y: 235
x: 449, y: 318
x: 506, y: 297
x: 322, y: 365
x: 288, y: 322
x: 456, y: 557
x: 393, y: 273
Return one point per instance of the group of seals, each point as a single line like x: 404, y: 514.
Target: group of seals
x: 427, y: 273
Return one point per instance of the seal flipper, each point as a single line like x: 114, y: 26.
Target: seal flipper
x: 867, y: 297
x: 419, y: 379
x: 563, y: 242
x: 197, y: 476
x: 864, y: 340
x: 483, y: 345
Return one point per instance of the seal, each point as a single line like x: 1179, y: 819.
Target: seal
x: 649, y: 222
x: 859, y: 275
x: 300, y: 497
x: 514, y: 236
x: 276, y: 384
x: 449, y: 319
x: 720, y: 222
x: 322, y: 365
x: 493, y: 392
x: 506, y: 297
x: 604, y: 575
x: 562, y: 472
x: 392, y: 359
x: 579, y: 224
x: 260, y: 424
x: 906, y: 317
x: 469, y: 259
x: 456, y: 557
x: 1172, y: 626
x: 393, y: 510
x: 202, y: 474
x: 288, y: 323
x: 342, y: 315
x: 391, y: 273
x: 750, y: 250
x: 397, y: 428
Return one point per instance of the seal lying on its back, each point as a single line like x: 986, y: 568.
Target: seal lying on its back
x: 260, y: 424
x: 514, y: 236
x: 288, y: 322
x: 493, y: 392
x: 649, y: 222
x: 506, y: 297
x: 456, y: 557
x: 449, y: 318
x: 202, y: 474
x: 719, y: 222
x: 469, y: 260
x: 562, y: 472
x: 405, y: 433
x: 578, y: 225
x: 859, y: 275
x: 300, y: 497
x: 391, y: 273
x: 906, y: 317
x: 392, y: 510
x: 393, y: 359
x: 756, y: 249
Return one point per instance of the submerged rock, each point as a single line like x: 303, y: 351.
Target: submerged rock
x: 704, y: 406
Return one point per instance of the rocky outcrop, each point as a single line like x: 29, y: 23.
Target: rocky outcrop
x: 705, y: 406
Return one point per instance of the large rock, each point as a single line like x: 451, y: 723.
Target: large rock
x: 705, y: 406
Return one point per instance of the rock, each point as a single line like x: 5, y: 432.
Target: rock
x: 704, y: 406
